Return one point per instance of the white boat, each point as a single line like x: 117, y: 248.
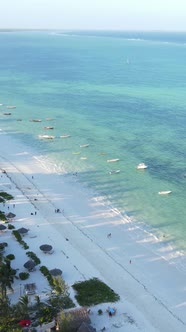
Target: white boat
x: 84, y: 146
x: 76, y: 152
x: 114, y: 172
x: 65, y: 136
x: 35, y: 120
x: 112, y: 160
x: 165, y: 192
x: 10, y: 107
x: 46, y: 136
x: 141, y: 166
x: 83, y: 158
x: 48, y: 127
x: 49, y: 119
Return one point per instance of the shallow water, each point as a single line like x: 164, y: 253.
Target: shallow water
x: 122, y: 96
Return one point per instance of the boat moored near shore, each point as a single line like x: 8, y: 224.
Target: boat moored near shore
x: 84, y: 146
x: 35, y: 120
x: 142, y: 166
x: 46, y: 137
x: 165, y: 192
x: 10, y: 107
x: 64, y: 136
x: 112, y: 160
x: 48, y: 127
x: 114, y: 172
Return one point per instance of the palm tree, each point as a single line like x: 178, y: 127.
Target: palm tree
x: 7, y: 275
x: 60, y: 287
x: 8, y: 322
x: 23, y: 305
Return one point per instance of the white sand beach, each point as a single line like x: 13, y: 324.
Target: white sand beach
x: 147, y: 273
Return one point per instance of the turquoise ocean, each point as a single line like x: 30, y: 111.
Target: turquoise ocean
x: 124, y: 94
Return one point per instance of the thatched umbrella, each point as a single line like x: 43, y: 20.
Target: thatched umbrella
x: 22, y: 230
x: 46, y: 247
x: 10, y: 215
x: 55, y: 272
x: 30, y: 264
x: 2, y: 227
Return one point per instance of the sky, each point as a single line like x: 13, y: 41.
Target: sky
x: 94, y: 14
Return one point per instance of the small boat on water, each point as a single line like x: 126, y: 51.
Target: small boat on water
x: 46, y: 137
x: 10, y: 107
x: 7, y: 113
x: 141, y: 166
x: 83, y: 158
x: 48, y: 127
x: 65, y: 136
x: 84, y: 146
x: 1, y: 104
x: 76, y: 152
x: 35, y: 120
x: 49, y: 119
x: 114, y: 172
x: 112, y: 160
x: 165, y: 192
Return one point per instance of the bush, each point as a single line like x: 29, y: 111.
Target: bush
x: 33, y: 256
x: 100, y: 312
x: 94, y: 291
x: 17, y: 235
x: 11, y: 226
x: 24, y: 275
x: 5, y: 195
x: 19, y: 239
x: 10, y: 257
x: 44, y: 270
x: 2, y: 216
x: 3, y: 245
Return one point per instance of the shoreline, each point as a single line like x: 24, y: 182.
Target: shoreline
x: 149, y: 284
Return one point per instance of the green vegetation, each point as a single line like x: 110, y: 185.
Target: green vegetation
x: 33, y: 256
x: 11, y: 226
x: 10, y: 257
x: 5, y: 196
x: 3, y: 245
x: 7, y: 275
x: 8, y: 320
x: 47, y: 274
x: 2, y: 216
x: 19, y: 239
x: 24, y: 275
x: 94, y: 291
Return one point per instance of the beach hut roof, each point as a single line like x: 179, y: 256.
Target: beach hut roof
x: 10, y: 215
x: 55, y: 272
x: 46, y: 247
x: 77, y: 317
x: 2, y: 227
x: 22, y: 230
x: 84, y: 327
x: 30, y: 264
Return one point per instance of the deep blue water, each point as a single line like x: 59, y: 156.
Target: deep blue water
x: 123, y: 93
